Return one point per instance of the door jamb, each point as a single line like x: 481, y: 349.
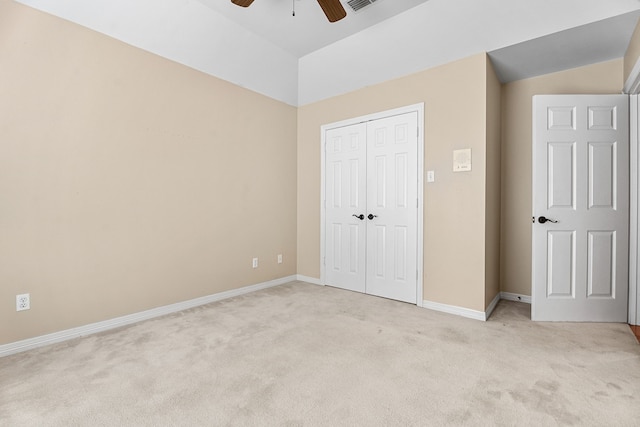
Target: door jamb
x: 419, y: 109
x: 632, y: 88
x: 634, y: 208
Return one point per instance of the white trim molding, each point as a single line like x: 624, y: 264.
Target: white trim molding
x: 93, y: 328
x: 634, y: 205
x: 475, y: 314
x: 492, y: 306
x: 462, y: 311
x: 515, y: 297
x: 454, y: 309
x: 308, y: 279
x: 632, y: 85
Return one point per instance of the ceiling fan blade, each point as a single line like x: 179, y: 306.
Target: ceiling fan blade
x: 332, y: 8
x: 243, y: 3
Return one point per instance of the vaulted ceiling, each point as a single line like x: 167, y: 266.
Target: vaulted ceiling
x: 308, y: 30
x: 303, y: 58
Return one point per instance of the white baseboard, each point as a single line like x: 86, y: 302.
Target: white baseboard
x: 92, y: 328
x: 454, y: 309
x: 475, y: 314
x: 515, y: 297
x: 492, y: 306
x: 308, y: 279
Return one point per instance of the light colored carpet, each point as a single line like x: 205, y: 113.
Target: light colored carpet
x: 305, y: 355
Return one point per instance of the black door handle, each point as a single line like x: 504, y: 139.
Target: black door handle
x: 371, y: 216
x: 360, y: 217
x: 543, y: 219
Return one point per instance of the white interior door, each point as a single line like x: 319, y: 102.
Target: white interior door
x: 371, y: 207
x: 345, y: 206
x: 392, y: 207
x: 580, y: 208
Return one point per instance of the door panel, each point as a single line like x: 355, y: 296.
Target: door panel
x: 561, y: 175
x: 601, y: 262
x: 378, y: 252
x: 561, y: 263
x: 602, y: 175
x: 345, y: 183
x: 393, y: 189
x: 581, y: 181
x: 400, y: 252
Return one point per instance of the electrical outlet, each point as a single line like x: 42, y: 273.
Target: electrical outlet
x: 23, y: 302
x: 255, y: 263
x: 279, y: 258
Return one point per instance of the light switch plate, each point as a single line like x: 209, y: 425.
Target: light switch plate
x: 431, y: 176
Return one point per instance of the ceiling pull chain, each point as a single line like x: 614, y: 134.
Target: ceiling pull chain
x: 293, y: 6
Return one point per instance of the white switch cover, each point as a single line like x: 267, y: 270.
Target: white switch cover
x: 431, y: 176
x: 462, y: 160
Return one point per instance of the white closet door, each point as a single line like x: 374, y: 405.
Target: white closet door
x: 345, y: 211
x: 371, y: 207
x: 392, y: 207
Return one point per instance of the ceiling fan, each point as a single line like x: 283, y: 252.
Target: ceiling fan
x: 331, y: 8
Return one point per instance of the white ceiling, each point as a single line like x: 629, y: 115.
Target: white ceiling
x: 309, y: 29
x: 303, y: 59
x: 586, y: 44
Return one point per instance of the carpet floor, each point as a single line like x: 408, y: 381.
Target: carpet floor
x: 306, y: 355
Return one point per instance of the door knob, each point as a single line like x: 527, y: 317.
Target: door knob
x: 371, y: 216
x: 543, y: 219
x: 360, y: 217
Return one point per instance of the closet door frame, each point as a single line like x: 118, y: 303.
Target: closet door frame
x: 419, y: 109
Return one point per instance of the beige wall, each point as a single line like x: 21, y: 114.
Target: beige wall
x: 129, y: 181
x: 602, y: 78
x: 633, y: 52
x: 492, y: 227
x: 455, y: 100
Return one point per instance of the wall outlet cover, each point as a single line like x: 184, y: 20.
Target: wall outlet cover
x: 23, y: 302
